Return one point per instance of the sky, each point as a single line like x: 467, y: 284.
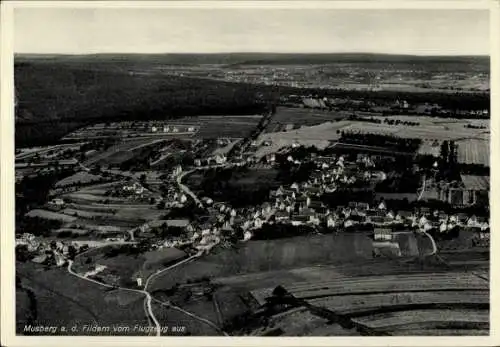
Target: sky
x: 169, y: 30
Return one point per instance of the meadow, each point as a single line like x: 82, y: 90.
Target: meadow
x: 61, y: 298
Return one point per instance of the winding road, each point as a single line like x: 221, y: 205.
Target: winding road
x: 422, y: 189
x: 148, y: 297
x: 149, y: 312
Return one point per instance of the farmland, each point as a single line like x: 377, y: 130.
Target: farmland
x: 474, y: 152
x: 91, y: 211
x: 259, y: 261
x: 473, y: 142
x: 132, y: 130
x: 456, y: 302
x: 78, y: 178
x: 50, y: 215
x: 297, y: 117
x: 212, y: 127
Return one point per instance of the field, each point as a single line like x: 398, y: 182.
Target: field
x: 297, y: 117
x: 476, y: 182
x: 474, y: 152
x: 224, y: 150
x: 61, y: 297
x: 134, y: 130
x: 174, y: 318
x: 125, y: 268
x: 89, y: 210
x: 258, y: 261
x: 81, y: 177
x: 473, y: 143
x: 50, y: 215
x: 212, y: 127
x: 430, y: 302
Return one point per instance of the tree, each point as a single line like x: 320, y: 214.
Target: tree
x: 22, y: 253
x: 71, y: 252
x: 444, y: 153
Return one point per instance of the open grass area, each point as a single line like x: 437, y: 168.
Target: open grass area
x: 62, y: 298
x: 174, y: 318
x: 50, y: 215
x: 301, y: 117
x: 232, y: 127
x: 269, y: 255
x: 81, y: 177
x: 123, y: 267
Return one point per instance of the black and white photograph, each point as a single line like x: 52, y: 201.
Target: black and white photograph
x: 250, y: 171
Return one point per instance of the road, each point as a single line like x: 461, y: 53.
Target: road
x: 148, y: 297
x: 422, y: 189
x: 434, y: 247
x: 186, y: 189
x: 149, y: 312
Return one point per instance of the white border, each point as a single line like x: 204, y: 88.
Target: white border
x: 7, y: 330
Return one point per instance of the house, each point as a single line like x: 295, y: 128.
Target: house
x: 281, y: 216
x: 362, y: 206
x: 462, y: 217
x: 299, y: 220
x: 382, y: 234
x: 378, y: 220
x: 266, y: 209
x: 348, y: 223
x: 258, y: 223
x: 405, y: 214
x: 220, y: 159
x: 375, y: 213
x: 247, y: 235
x: 183, y: 198
x: 207, y: 200
x: 382, y: 206
x: 426, y: 211
x: 331, y: 222
x: 443, y: 216
x: 422, y: 221
x: 56, y: 203
x: 475, y: 189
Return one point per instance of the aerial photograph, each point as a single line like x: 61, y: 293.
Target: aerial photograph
x: 251, y: 172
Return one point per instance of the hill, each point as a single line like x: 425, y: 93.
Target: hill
x: 261, y: 58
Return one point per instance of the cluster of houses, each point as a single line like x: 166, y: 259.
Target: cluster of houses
x: 217, y: 159
x: 171, y: 129
x: 53, y: 252
x: 133, y: 188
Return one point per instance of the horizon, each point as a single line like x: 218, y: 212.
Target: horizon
x: 254, y: 52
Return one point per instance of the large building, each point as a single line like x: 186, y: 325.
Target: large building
x: 476, y: 189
